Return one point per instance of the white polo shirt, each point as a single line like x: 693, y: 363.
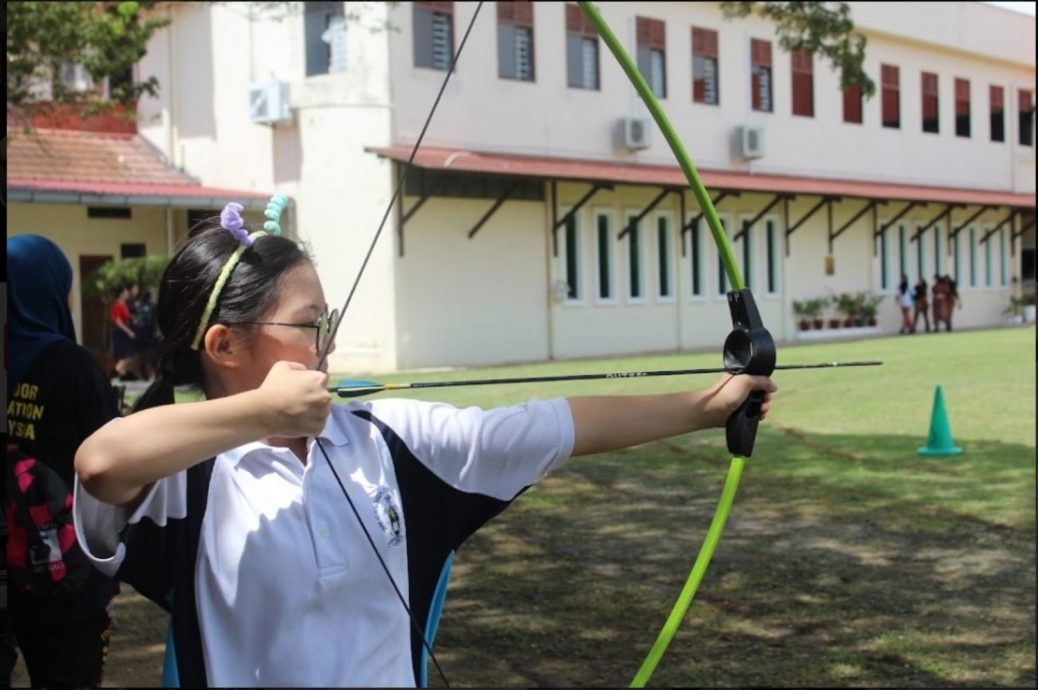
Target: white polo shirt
x: 287, y: 588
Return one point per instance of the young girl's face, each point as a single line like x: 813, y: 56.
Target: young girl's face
x: 289, y: 331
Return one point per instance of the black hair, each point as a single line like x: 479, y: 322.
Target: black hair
x: 249, y: 293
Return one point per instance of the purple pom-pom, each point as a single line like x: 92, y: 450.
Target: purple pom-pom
x: 231, y: 220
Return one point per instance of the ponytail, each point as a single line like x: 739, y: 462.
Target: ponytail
x: 158, y: 393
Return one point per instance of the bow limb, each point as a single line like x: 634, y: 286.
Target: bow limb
x: 727, y: 254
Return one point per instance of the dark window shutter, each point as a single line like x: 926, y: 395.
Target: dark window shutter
x: 650, y: 33
x: 760, y: 52
x: 852, y: 104
x: 803, y: 83
x: 891, y: 96
x: 577, y: 23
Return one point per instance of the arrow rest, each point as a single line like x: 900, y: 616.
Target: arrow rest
x: 749, y: 349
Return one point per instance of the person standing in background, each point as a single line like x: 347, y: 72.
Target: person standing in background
x: 58, y: 395
x: 122, y: 334
x: 904, y: 301
x: 922, y: 306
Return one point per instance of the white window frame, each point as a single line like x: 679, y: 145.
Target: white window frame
x: 989, y: 269
x: 671, y: 273
x: 609, y: 213
x: 904, y: 251
x: 956, y: 260
x: 971, y: 245
x: 563, y: 259
x: 726, y: 225
x: 921, y: 266
x: 749, y: 273
x: 779, y: 235
x: 629, y: 214
x: 704, y: 264
x: 1003, y: 259
x: 883, y: 257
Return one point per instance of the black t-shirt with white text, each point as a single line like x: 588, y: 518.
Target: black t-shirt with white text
x: 61, y: 400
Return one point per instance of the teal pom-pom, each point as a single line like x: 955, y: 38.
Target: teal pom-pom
x: 272, y: 227
x: 279, y: 199
x: 272, y: 213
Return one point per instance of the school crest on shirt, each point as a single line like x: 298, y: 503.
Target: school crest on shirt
x: 387, y: 514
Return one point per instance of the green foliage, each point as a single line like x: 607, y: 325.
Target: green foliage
x: 820, y: 28
x: 1017, y: 304
x: 145, y: 271
x: 106, y: 38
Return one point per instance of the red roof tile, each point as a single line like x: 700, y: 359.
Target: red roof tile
x: 66, y: 155
x: 104, y: 164
x: 632, y: 173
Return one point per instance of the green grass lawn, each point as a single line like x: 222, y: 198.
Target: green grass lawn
x: 848, y: 559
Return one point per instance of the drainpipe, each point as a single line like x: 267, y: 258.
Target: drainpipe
x: 550, y: 302
x: 170, y: 138
x: 169, y: 231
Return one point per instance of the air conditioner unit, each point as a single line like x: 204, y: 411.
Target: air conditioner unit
x: 268, y: 103
x: 751, y: 142
x: 634, y: 133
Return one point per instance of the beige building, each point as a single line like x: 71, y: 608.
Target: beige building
x: 544, y: 216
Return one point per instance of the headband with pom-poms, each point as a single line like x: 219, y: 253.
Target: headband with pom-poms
x: 232, y: 222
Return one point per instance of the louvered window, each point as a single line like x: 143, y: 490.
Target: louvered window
x: 652, y: 60
x: 998, y: 113
x: 962, y: 107
x: 931, y: 120
x: 891, y: 96
x: 852, y: 104
x: 760, y: 75
x: 433, y: 34
x: 705, y: 88
x: 581, y: 50
x: 1026, y: 117
x: 515, y: 40
x: 803, y: 83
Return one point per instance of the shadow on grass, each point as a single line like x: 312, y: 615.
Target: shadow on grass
x: 846, y: 561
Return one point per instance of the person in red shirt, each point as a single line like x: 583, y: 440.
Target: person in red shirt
x: 122, y: 335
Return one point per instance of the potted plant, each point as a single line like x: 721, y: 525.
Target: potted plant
x: 834, y: 301
x: 815, y: 307
x: 847, y: 304
x: 800, y: 309
x: 1021, y: 309
x: 870, y: 307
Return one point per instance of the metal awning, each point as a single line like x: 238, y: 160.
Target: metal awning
x: 610, y: 172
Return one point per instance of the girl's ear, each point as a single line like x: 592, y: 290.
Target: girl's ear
x: 223, y: 346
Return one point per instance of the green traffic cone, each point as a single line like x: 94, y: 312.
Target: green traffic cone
x: 940, y: 440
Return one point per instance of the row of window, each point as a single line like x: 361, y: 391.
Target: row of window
x: 974, y: 262
x: 623, y: 267
x: 929, y: 91
x: 659, y: 245
x: 434, y: 48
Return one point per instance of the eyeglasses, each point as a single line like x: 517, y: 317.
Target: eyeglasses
x: 324, y: 328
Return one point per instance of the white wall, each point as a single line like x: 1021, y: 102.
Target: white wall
x: 482, y: 112
x: 206, y: 61
x: 472, y: 301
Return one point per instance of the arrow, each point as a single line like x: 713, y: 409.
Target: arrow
x: 355, y: 388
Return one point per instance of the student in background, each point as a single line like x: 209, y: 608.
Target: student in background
x: 58, y: 395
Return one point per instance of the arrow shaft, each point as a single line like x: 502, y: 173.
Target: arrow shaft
x: 368, y: 388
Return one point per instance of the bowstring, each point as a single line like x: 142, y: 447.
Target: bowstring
x: 335, y: 329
